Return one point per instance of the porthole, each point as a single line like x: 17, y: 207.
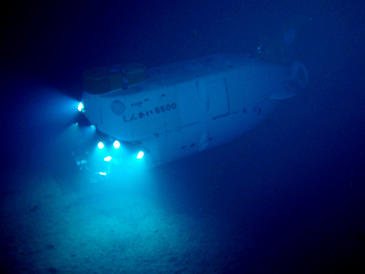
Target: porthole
x: 117, y: 107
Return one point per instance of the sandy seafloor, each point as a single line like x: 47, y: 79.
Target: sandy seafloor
x: 100, y: 229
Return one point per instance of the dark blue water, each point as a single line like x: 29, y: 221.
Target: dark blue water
x: 287, y: 197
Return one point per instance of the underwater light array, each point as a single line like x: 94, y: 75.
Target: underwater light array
x: 116, y: 145
x: 104, y: 147
x: 109, y: 158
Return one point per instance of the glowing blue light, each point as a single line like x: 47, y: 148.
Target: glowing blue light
x: 92, y: 127
x: 116, y: 144
x: 102, y: 173
x: 140, y: 155
x: 100, y: 145
x: 80, y: 107
x: 108, y: 158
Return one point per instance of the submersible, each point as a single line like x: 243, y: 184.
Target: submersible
x: 172, y: 111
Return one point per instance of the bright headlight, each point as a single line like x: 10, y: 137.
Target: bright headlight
x: 108, y: 158
x: 100, y: 145
x: 140, y: 155
x: 116, y: 144
x: 80, y: 107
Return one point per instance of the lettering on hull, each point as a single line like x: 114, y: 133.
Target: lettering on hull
x: 147, y: 113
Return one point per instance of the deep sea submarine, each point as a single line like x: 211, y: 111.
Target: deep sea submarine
x: 160, y: 114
